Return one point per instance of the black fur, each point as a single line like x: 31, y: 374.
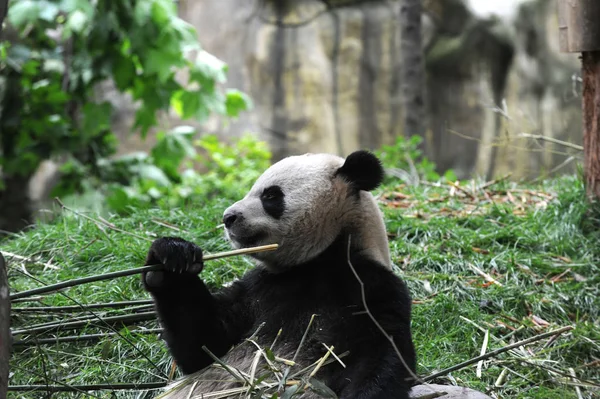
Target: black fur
x: 273, y: 201
x: 326, y: 286
x: 363, y: 170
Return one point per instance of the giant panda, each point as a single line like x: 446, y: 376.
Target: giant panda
x: 332, y: 258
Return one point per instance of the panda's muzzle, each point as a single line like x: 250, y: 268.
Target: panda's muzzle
x: 230, y: 217
x: 233, y: 223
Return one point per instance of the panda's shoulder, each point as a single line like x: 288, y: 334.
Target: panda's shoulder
x: 377, y: 278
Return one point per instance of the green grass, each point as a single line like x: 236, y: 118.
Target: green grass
x: 544, y: 251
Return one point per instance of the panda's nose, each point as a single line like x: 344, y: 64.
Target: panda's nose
x: 229, y: 218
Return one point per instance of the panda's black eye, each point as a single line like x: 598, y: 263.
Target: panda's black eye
x: 272, y: 201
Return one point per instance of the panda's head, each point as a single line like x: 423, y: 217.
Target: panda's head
x: 303, y: 203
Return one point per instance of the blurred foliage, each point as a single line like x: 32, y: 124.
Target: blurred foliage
x: 57, y: 53
x: 145, y: 180
x: 406, y: 156
x: 181, y: 170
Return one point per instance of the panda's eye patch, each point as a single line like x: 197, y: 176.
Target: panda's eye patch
x: 272, y: 201
x: 271, y: 193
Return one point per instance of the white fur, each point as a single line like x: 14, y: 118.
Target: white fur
x: 318, y: 207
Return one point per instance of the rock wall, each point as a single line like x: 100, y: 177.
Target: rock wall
x: 321, y: 80
x: 467, y: 64
x: 543, y: 97
x: 329, y: 80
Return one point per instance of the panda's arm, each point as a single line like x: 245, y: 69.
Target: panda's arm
x: 381, y: 374
x: 191, y: 316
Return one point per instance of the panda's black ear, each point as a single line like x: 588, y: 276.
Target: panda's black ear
x: 363, y: 170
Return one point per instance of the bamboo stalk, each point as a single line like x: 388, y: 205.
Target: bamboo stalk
x: 72, y: 308
x: 84, y: 388
x: 129, y: 272
x: 78, y: 338
x: 55, y: 323
x: 496, y: 352
x: 146, y: 316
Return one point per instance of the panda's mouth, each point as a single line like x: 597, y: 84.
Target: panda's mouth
x: 245, y: 241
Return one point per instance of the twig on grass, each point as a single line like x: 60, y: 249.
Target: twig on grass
x: 312, y: 318
x: 129, y: 272
x: 493, y: 182
x: 227, y: 368
x: 463, y: 190
x: 169, y: 226
x: 334, y: 355
x: 577, y: 389
x: 28, y: 260
x: 486, y: 339
x: 551, y: 140
x: 100, y: 222
x: 484, y: 274
x: 262, y: 352
x: 497, y: 352
x: 318, y: 366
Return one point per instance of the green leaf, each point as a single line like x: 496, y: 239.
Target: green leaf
x: 152, y: 173
x: 48, y: 10
x: 142, y: 11
x: 163, y: 11
x: 172, y: 148
x: 23, y: 12
x: 322, y: 389
x: 4, y: 46
x: 70, y: 6
x: 144, y: 120
x: 123, y: 72
x: 236, y: 102
x: 290, y: 391
x: 54, y: 65
x: 187, y: 33
x: 119, y: 199
x: 106, y: 351
x: 189, y: 104
x: 208, y: 68
x: 161, y: 63
x: 96, y: 118
x: 270, y: 354
x: 449, y: 175
x: 77, y: 22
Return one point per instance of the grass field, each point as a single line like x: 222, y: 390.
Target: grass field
x: 501, y: 260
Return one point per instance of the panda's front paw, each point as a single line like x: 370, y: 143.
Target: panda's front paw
x: 178, y: 256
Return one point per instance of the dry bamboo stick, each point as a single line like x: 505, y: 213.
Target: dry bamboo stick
x: 85, y: 388
x: 129, y: 272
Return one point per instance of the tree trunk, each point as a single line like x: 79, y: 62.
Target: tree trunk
x: 15, y: 206
x: 5, y: 339
x: 591, y: 122
x: 413, y: 71
x: 3, y: 10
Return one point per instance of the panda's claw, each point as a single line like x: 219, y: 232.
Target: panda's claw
x: 177, y: 255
